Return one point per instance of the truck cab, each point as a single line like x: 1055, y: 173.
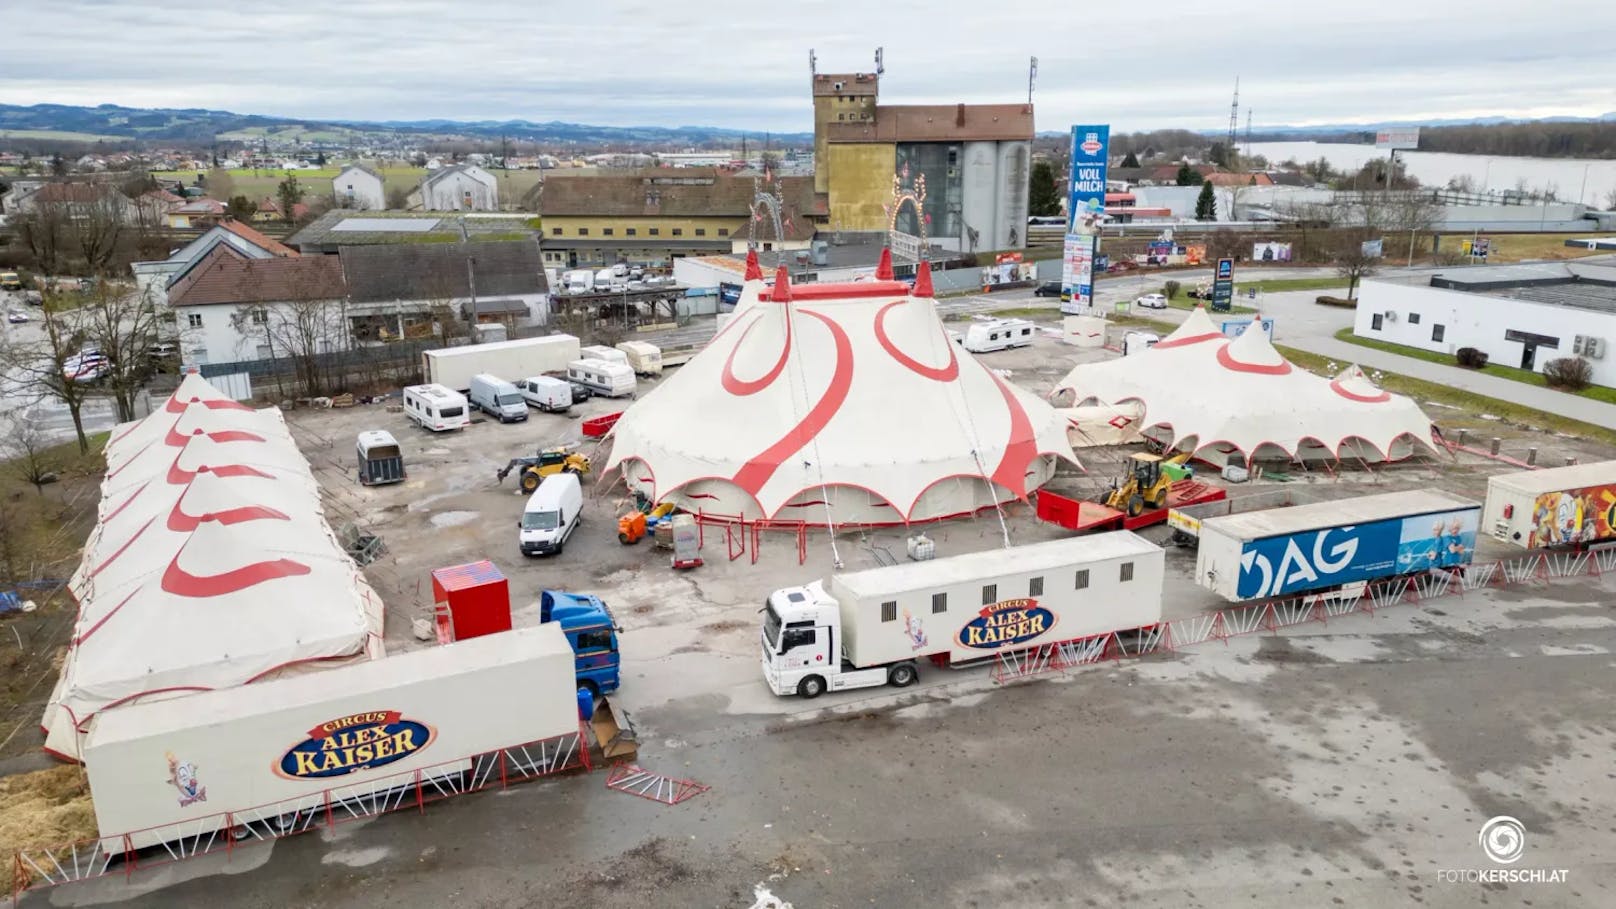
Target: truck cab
x: 591, y: 630
x: 803, y: 647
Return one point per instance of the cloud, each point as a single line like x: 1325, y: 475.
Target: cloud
x: 627, y: 62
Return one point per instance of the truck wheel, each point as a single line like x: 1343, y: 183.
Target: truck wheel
x: 529, y: 483
x: 811, y: 687
x: 1136, y: 506
x: 902, y: 675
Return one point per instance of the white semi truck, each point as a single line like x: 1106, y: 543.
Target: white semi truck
x: 453, y: 367
x: 868, y: 628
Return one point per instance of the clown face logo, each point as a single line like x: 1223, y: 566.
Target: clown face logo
x: 182, y: 776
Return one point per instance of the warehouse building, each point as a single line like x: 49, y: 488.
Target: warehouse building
x: 975, y: 159
x: 1519, y: 315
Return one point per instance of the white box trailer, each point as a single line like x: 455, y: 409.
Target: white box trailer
x: 166, y: 770
x: 509, y: 360
x: 872, y: 627
x: 1323, y: 546
x: 644, y: 357
x: 602, y: 352
x: 1560, y: 506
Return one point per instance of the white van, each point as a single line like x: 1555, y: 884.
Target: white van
x: 643, y: 357
x: 547, y: 393
x: 604, y: 279
x: 599, y: 352
x: 436, y: 408
x: 581, y: 281
x: 612, y: 380
x: 1138, y: 342
x: 497, y: 398
x: 998, y: 334
x: 551, y: 515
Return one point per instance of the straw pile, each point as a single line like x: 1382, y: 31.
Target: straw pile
x: 42, y: 809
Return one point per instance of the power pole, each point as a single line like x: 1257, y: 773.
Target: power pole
x: 1234, y: 116
x: 1032, y: 77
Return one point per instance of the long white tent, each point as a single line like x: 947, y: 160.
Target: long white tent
x: 1216, y: 397
x: 211, y: 565
x: 837, y: 404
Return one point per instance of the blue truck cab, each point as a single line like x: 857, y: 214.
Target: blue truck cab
x: 592, y: 632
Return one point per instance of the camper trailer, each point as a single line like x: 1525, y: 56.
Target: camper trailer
x: 436, y: 408
x: 612, y: 380
x: 998, y: 334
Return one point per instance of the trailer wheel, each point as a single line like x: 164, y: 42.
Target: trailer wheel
x: 811, y: 687
x: 902, y: 675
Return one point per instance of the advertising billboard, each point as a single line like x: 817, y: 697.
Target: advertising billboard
x: 1233, y: 327
x: 1399, y: 138
x: 1574, y: 516
x: 1223, y: 286
x: 1085, y: 201
x: 1372, y: 249
x: 1077, y: 274
x: 1270, y: 252
x: 1316, y: 559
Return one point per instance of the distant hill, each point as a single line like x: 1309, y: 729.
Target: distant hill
x: 196, y: 125
x: 1346, y: 131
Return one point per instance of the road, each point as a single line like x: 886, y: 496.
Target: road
x: 21, y: 397
x: 1340, y: 765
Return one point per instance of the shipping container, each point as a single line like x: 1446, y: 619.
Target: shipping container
x: 453, y: 367
x: 165, y: 770
x: 1186, y: 520
x: 1309, y: 548
x: 1561, y: 506
x: 873, y: 627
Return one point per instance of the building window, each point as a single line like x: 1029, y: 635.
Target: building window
x: 1035, y: 587
x: 260, y: 316
x: 1437, y: 331
x: 678, y: 231
x: 1082, y: 579
x: 990, y: 594
x: 583, y: 231
x: 1126, y: 574
x: 723, y: 231
x: 193, y: 319
x: 701, y: 231
x: 841, y: 116
x: 1413, y: 318
x: 630, y: 231
x: 1374, y: 322
x: 656, y: 231
x: 939, y: 602
x: 889, y: 611
x: 555, y: 231
x: 607, y: 231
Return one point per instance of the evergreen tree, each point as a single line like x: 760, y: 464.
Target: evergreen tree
x: 1131, y: 160
x: 1043, y: 191
x: 1206, y: 204
x: 1188, y: 176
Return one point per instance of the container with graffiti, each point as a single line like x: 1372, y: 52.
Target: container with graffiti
x: 1562, y: 507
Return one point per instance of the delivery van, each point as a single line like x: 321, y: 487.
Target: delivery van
x: 612, y: 380
x: 497, y: 398
x: 551, y: 515
x: 436, y: 408
x: 547, y: 393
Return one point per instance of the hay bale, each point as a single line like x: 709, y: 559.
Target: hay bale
x: 43, y: 809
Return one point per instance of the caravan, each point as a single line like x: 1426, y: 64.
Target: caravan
x: 644, y: 358
x: 612, y: 380
x: 436, y: 408
x: 599, y: 352
x: 998, y: 334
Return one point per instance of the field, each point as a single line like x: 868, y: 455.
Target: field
x: 256, y: 183
x: 58, y: 134
x: 1516, y: 247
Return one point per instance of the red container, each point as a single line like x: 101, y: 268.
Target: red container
x: 478, y: 599
x: 595, y: 427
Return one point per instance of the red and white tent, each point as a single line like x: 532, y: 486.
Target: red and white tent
x: 212, y: 565
x: 1216, y: 397
x: 841, y: 404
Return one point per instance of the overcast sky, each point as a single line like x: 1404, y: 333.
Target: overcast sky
x: 1171, y: 63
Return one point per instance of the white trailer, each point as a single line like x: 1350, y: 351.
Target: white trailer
x: 1560, y: 506
x: 869, y: 628
x: 602, y: 352
x: 453, y: 367
x: 277, y: 751
x: 643, y: 357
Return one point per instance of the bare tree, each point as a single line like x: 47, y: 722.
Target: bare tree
x: 220, y: 184
x: 1417, y: 213
x: 1610, y: 199
x: 305, y: 329
x: 52, y: 366
x: 98, y: 227
x: 1355, y: 258
x: 44, y: 230
x: 30, y: 456
x: 123, y: 324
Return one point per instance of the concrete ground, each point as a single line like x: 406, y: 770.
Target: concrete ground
x: 1342, y: 764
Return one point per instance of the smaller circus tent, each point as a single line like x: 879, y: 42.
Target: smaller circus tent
x: 211, y: 565
x: 1216, y: 397
x: 842, y: 404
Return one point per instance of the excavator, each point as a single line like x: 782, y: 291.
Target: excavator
x: 1146, y: 484
x: 548, y: 462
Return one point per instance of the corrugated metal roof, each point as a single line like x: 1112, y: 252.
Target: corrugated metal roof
x: 938, y: 123
x: 416, y: 271
x: 1555, y: 479
x: 1255, y: 525
x: 1069, y: 553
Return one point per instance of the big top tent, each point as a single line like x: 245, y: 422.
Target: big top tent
x: 837, y: 404
x: 1216, y: 397
x: 211, y: 565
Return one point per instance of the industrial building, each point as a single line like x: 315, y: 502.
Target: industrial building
x: 1519, y: 315
x: 975, y: 159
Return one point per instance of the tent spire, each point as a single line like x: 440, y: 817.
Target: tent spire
x: 883, y: 269
x: 782, y: 286
x: 754, y: 272
x: 922, y: 281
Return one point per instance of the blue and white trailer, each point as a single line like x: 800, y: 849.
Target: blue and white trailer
x: 1322, y: 546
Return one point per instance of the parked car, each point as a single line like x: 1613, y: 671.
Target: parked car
x: 1123, y: 265
x: 1048, y: 289
x: 581, y: 392
x: 1152, y: 301
x: 16, y: 316
x: 87, y: 365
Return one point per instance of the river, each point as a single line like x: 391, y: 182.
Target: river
x: 1589, y: 180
